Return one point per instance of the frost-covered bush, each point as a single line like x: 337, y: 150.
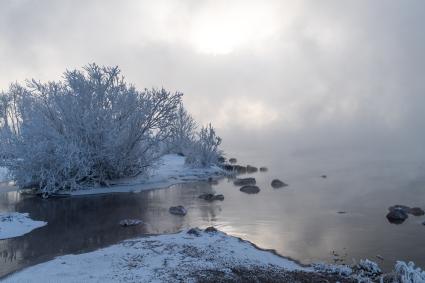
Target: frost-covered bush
x: 182, y: 133
x: 408, y: 273
x: 205, y: 149
x: 85, y: 130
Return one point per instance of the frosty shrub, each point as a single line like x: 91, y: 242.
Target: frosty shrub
x: 408, y: 273
x: 205, y: 148
x: 85, y: 130
x: 182, y: 133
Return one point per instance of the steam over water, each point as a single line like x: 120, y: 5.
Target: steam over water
x: 308, y: 89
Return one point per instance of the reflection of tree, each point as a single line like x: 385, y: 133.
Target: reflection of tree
x: 81, y: 224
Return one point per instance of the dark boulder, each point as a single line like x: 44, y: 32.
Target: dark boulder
x: 178, y: 210
x: 250, y: 189
x: 244, y: 181
x: 234, y: 168
x: 263, y: 169
x: 218, y: 197
x: 211, y: 197
x: 416, y: 211
x: 194, y: 231
x: 130, y: 222
x: 397, y: 216
x: 251, y: 169
x: 210, y: 230
x: 276, y: 183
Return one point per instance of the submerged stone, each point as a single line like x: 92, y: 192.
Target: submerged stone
x: 244, y: 181
x: 178, y: 210
x: 416, y: 211
x: 251, y: 169
x: 211, y: 197
x: 276, y: 183
x: 250, y: 189
x: 130, y: 222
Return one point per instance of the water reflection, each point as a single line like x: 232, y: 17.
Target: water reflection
x: 299, y: 221
x: 85, y: 223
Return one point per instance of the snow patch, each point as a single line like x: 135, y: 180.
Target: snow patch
x: 14, y: 224
x: 163, y: 258
x: 170, y: 169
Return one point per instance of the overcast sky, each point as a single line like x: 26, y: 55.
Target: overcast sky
x: 344, y: 70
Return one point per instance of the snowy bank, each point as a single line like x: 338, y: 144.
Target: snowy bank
x: 14, y: 224
x: 164, y: 258
x: 200, y: 256
x: 169, y: 170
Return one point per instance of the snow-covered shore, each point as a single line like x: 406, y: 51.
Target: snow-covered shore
x: 14, y: 224
x: 169, y: 170
x: 189, y: 256
x: 200, y: 256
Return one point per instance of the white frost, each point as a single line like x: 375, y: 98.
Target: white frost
x: 14, y: 224
x: 169, y: 170
x: 163, y: 258
x: 408, y: 273
x: 3, y: 174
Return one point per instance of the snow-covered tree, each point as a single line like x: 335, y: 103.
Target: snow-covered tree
x: 85, y: 130
x: 205, y: 149
x: 182, y: 133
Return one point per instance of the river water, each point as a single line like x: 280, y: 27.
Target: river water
x: 302, y: 221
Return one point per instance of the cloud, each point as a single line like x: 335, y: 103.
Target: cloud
x: 258, y: 68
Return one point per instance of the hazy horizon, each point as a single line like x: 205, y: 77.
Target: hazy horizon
x: 302, y: 75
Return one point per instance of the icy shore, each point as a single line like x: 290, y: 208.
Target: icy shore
x: 14, y: 224
x: 169, y: 170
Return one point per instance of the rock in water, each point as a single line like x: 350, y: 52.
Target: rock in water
x: 194, y: 231
x: 276, y: 183
x: 251, y: 169
x: 233, y: 160
x: 218, y: 197
x: 250, y: 189
x: 397, y: 216
x: 244, y: 182
x: 178, y: 210
x: 211, y: 197
x: 206, y: 196
x: 416, y: 211
x: 130, y: 222
x: 210, y: 229
x: 263, y: 169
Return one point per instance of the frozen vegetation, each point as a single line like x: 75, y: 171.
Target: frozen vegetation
x: 14, y: 224
x: 92, y: 128
x: 3, y: 174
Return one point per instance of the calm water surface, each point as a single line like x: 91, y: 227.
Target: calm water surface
x: 300, y: 221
